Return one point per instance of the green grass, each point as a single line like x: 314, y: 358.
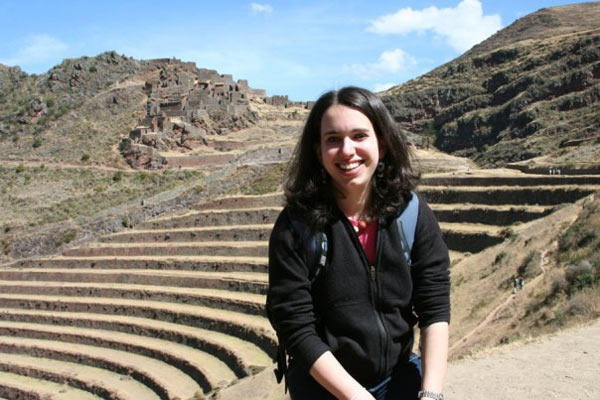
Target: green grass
x: 33, y: 196
x: 267, y: 181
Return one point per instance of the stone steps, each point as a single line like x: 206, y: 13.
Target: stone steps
x: 478, y: 234
x: 489, y: 214
x: 241, y: 356
x: 523, y: 180
x: 95, y: 381
x: 248, y: 303
x: 18, y: 386
x: 167, y: 382
x: 243, y: 201
x: 208, y: 371
x: 253, y: 328
x: 178, y: 263
x: 470, y: 238
x: 216, y: 217
x: 212, y: 248
x: 256, y: 232
x: 249, y: 282
x: 500, y: 195
x: 445, y: 212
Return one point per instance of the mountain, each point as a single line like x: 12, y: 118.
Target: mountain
x: 105, y: 110
x: 530, y: 91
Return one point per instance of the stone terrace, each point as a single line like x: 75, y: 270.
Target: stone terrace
x: 175, y: 307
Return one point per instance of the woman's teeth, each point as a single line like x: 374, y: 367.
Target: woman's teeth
x: 349, y: 166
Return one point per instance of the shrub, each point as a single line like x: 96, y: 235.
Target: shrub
x: 93, y: 69
x: 66, y: 238
x: 37, y: 142
x: 118, y: 176
x: 85, y: 157
x: 501, y: 256
x: 530, y: 266
x: 580, y: 276
x: 20, y: 168
x: 50, y: 103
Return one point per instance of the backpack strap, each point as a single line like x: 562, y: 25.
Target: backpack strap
x: 315, y: 248
x: 407, y: 225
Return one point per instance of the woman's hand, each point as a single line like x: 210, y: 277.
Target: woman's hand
x: 332, y: 376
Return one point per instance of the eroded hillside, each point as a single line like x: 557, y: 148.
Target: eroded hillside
x: 532, y: 89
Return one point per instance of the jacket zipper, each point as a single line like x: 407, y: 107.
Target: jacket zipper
x: 376, y: 304
x: 374, y: 291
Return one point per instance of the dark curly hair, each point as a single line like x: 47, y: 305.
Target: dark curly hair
x: 307, y: 187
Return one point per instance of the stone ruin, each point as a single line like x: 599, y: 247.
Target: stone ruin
x: 185, y: 104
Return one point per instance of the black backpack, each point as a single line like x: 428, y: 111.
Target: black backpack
x: 315, y: 246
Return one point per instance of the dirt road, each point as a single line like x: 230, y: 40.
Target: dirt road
x: 563, y: 366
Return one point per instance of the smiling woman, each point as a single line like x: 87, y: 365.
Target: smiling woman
x: 349, y: 333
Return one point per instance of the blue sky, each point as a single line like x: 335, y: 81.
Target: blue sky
x: 299, y: 48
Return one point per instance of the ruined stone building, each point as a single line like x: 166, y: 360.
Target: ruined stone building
x: 186, y: 103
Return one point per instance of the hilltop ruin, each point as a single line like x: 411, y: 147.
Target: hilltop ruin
x: 185, y: 104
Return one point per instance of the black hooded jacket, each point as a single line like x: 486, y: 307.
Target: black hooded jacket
x: 363, y: 314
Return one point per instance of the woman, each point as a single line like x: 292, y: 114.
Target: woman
x: 349, y: 333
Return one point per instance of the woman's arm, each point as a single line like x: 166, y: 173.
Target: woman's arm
x: 431, y: 297
x: 332, y: 376
x: 434, y: 356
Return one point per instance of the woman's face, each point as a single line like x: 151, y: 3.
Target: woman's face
x: 348, y: 149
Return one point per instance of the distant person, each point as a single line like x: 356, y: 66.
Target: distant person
x: 349, y: 332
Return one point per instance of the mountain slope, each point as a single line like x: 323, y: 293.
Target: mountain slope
x: 531, y: 89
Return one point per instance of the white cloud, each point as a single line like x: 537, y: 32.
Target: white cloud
x: 380, y: 87
x: 261, y: 8
x: 38, y: 49
x: 461, y: 27
x: 390, y: 62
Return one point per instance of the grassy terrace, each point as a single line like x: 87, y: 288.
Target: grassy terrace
x: 33, y: 196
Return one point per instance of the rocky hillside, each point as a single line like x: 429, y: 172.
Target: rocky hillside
x: 530, y: 90
x: 75, y: 112
x: 80, y: 111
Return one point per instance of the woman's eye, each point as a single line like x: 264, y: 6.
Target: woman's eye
x: 332, y: 139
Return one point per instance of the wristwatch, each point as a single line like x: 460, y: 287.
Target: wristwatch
x: 430, y: 395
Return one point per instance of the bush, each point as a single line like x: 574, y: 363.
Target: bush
x: 580, y: 276
x: 20, y: 168
x: 37, y: 142
x: 530, y: 266
x: 92, y: 69
x: 50, y: 103
x: 501, y: 256
x: 85, y: 157
x: 118, y: 176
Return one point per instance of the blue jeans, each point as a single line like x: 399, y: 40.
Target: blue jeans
x: 403, y: 384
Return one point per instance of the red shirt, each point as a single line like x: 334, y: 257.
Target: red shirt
x: 367, y: 236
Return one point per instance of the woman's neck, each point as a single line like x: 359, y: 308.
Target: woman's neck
x: 355, y: 204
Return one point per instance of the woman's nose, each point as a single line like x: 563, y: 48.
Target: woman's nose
x: 347, y: 146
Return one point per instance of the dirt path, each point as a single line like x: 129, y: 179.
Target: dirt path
x: 562, y: 366
x: 62, y: 165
